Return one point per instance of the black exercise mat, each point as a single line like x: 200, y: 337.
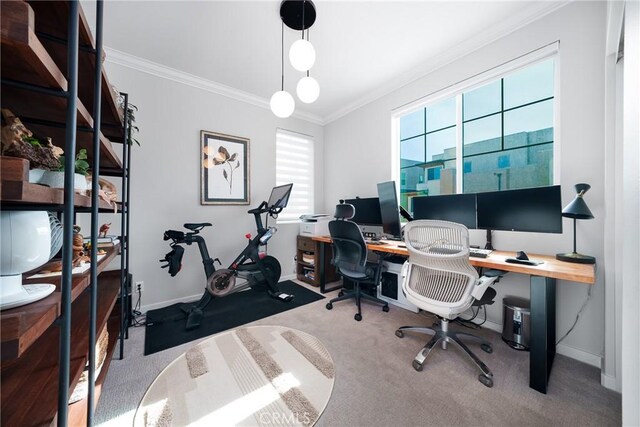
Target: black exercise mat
x: 166, y: 326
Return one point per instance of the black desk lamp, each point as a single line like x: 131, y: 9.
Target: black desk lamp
x: 577, y: 209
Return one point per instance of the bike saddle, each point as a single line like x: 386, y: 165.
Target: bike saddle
x: 196, y: 226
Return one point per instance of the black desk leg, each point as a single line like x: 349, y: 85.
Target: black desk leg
x: 543, y: 331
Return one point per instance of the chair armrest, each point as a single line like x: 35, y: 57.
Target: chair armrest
x: 482, y: 285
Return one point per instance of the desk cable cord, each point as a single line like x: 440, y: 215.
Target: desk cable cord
x: 575, y: 322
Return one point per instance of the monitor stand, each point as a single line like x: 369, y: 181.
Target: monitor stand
x: 489, y: 245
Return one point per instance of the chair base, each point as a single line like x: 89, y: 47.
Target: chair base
x: 442, y: 333
x: 358, y: 295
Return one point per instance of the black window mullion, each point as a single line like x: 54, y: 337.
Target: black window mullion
x: 502, y: 113
x: 425, y: 134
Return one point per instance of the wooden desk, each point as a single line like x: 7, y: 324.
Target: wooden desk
x: 542, y: 289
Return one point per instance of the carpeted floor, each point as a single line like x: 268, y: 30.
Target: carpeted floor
x: 375, y: 384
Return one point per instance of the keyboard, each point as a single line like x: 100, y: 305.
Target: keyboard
x: 479, y: 253
x: 375, y: 242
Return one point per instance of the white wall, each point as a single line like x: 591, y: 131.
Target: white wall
x: 165, y: 178
x: 358, y: 152
x: 631, y: 213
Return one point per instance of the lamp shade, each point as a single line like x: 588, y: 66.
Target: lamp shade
x: 578, y: 208
x: 302, y: 55
x: 282, y: 104
x: 308, y: 89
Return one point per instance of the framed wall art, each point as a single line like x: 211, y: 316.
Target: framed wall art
x: 224, y: 169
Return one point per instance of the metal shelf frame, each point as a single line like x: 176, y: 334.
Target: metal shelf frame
x: 69, y: 210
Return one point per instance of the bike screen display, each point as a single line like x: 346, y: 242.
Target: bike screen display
x: 280, y: 196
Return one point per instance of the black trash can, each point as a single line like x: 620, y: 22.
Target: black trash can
x: 516, y: 327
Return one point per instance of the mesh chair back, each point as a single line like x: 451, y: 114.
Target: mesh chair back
x: 440, y: 278
x: 349, y: 247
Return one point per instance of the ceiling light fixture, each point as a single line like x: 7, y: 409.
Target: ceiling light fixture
x: 298, y: 15
x: 282, y: 103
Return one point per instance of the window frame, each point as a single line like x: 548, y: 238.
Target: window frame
x: 456, y: 90
x: 311, y: 176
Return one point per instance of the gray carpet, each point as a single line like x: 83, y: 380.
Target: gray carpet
x: 376, y: 386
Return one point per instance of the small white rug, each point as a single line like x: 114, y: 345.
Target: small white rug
x: 253, y: 376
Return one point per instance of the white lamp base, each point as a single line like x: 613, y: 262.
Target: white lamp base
x: 14, y: 294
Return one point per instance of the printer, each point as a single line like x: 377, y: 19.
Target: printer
x: 315, y: 225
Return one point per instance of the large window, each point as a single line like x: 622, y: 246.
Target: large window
x: 499, y: 135
x: 294, y: 163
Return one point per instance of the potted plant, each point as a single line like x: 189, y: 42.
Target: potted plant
x: 55, y: 179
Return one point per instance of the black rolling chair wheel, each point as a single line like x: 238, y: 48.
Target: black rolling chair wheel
x: 417, y: 365
x: 385, y: 308
x: 329, y: 306
x: 358, y: 317
x: 486, y: 348
x: 399, y: 333
x: 485, y: 380
x: 341, y: 293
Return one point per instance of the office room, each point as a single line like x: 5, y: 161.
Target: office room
x: 407, y: 212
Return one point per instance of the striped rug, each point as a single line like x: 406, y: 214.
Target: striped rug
x: 253, y: 376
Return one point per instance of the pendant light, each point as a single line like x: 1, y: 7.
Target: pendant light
x: 308, y: 89
x: 282, y: 103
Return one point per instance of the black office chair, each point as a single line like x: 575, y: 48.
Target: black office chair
x: 350, y: 259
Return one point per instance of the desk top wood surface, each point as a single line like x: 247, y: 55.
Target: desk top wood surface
x: 553, y: 268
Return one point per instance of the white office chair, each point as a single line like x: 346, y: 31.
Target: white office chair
x: 439, y: 279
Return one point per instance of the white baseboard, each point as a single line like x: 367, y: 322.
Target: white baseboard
x: 565, y: 350
x: 610, y: 382
x: 190, y: 298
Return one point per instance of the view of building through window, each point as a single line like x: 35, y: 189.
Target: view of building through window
x: 507, y: 137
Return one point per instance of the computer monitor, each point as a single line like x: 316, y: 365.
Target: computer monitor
x: 389, y: 209
x: 367, y: 211
x: 460, y: 208
x: 280, y: 196
x: 537, y: 210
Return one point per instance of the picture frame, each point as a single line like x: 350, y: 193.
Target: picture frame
x: 224, y: 169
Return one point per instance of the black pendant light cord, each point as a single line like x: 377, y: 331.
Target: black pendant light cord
x: 282, y: 56
x: 302, y: 19
x: 307, y: 40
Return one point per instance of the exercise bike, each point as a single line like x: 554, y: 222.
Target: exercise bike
x: 257, y: 270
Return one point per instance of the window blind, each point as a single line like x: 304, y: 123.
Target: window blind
x: 294, y: 163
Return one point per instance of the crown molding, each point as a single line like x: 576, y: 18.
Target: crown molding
x: 140, y: 64
x: 478, y: 41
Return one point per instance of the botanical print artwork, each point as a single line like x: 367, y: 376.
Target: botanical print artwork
x: 223, y: 158
x: 225, y: 171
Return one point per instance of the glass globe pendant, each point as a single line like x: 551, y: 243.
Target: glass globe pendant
x: 308, y: 89
x: 302, y: 55
x: 282, y: 104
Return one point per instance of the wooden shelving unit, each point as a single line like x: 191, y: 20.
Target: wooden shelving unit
x: 36, y: 372
x: 37, y: 86
x: 22, y: 326
x: 309, y: 272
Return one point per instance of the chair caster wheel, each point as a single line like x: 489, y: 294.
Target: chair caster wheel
x: 358, y: 317
x: 435, y: 324
x: 385, y: 308
x: 340, y: 293
x: 399, y: 333
x: 486, y: 348
x: 417, y: 365
x: 329, y: 306
x: 485, y: 380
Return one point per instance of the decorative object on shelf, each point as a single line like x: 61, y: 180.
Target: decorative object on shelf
x: 18, y: 141
x: 224, y: 169
x: 25, y: 245
x: 82, y: 387
x: 79, y: 256
x: 55, y: 178
x: 104, y: 229
x: 577, y: 209
x: 107, y: 191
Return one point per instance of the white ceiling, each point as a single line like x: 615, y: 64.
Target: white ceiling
x: 363, y: 48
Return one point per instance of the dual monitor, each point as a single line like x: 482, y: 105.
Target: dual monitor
x: 530, y: 210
